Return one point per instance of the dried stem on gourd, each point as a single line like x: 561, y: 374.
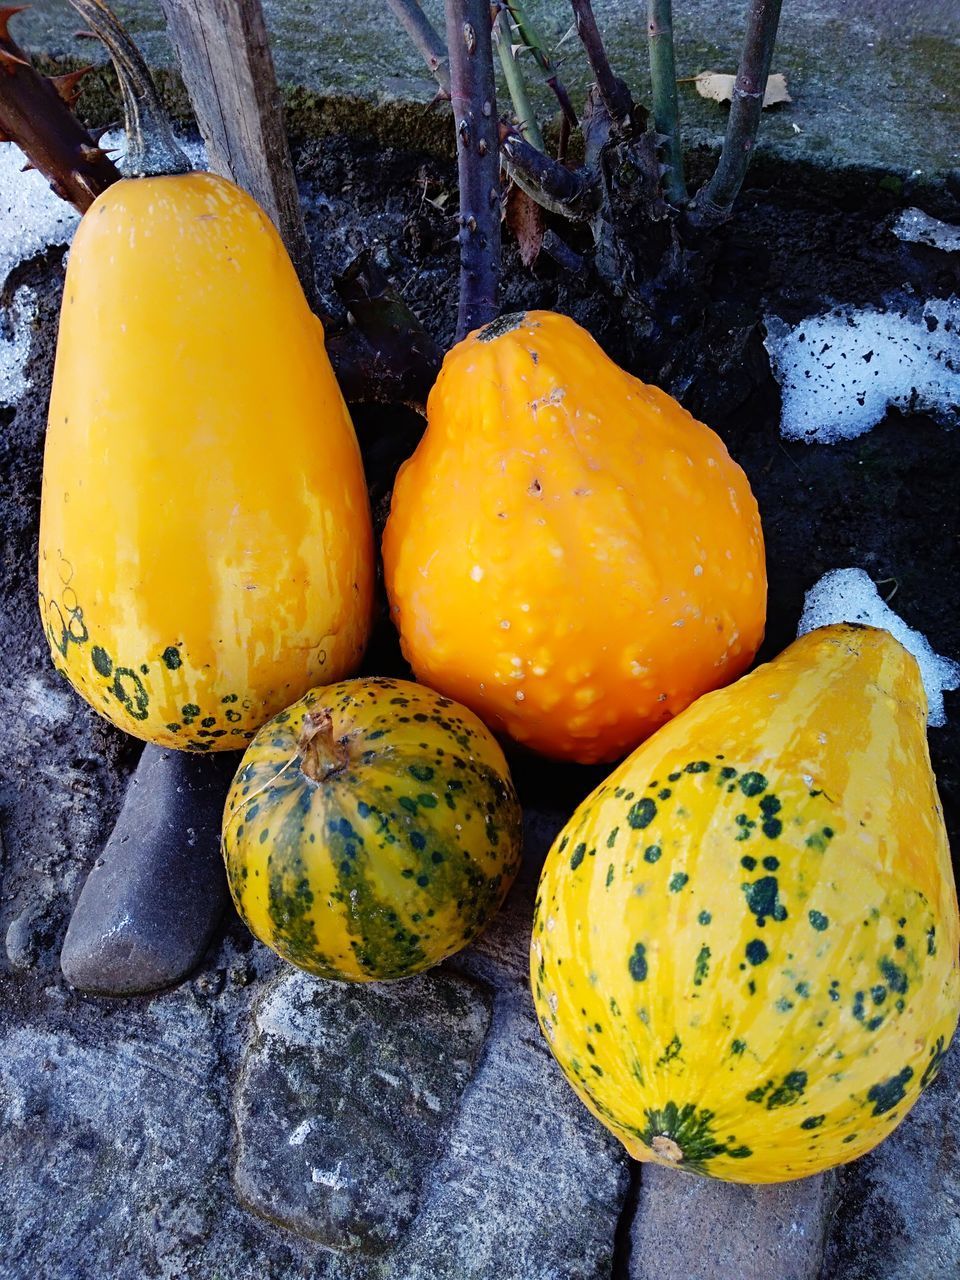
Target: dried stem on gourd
x: 615, y: 94
x: 321, y: 755
x: 151, y: 147
x: 506, y: 41
x: 423, y: 34
x: 478, y: 162
x: 715, y: 200
x: 35, y: 113
x: 666, y: 114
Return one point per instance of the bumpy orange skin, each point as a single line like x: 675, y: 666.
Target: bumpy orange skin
x: 569, y: 552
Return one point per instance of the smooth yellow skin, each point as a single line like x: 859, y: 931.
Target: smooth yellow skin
x: 206, y: 549
x: 862, y: 875
x: 569, y: 552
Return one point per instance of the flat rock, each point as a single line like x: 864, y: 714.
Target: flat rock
x: 345, y: 1098
x: 899, y: 1207
x: 150, y: 904
x: 702, y: 1229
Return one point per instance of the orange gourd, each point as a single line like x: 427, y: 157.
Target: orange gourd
x: 569, y: 552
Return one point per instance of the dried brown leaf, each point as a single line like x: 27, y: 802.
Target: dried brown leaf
x: 524, y: 218
x: 719, y: 88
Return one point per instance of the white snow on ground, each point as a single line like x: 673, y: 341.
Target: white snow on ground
x: 849, y: 595
x: 32, y: 219
x: 16, y: 327
x: 840, y: 372
x: 921, y: 228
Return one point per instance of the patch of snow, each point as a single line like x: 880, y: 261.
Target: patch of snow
x: 32, y: 218
x: 16, y: 326
x: 840, y: 372
x: 849, y: 595
x: 921, y: 228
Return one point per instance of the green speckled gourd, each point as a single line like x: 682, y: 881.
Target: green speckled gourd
x: 371, y: 830
x: 745, y: 942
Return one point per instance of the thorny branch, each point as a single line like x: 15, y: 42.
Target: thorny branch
x: 35, y: 114
x: 613, y: 91
x: 474, y: 102
x: 503, y: 39
x: 666, y: 114
x: 531, y: 40
x: 715, y: 200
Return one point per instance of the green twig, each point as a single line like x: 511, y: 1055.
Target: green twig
x: 530, y: 37
x: 713, y: 202
x: 666, y: 115
x: 508, y: 48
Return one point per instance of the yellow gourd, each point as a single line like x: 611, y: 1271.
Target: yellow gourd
x: 744, y: 951
x: 205, y: 545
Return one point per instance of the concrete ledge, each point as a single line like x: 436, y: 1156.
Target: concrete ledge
x: 873, y: 81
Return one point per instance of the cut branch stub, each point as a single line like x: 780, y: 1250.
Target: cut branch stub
x: 478, y: 163
x: 34, y: 114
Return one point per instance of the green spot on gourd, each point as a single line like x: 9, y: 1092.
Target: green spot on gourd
x: 670, y: 1052
x: 642, y: 814
x: 612, y: 838
x: 788, y: 1091
x: 757, y: 952
x: 190, y: 709
x: 818, y: 920
x: 102, y: 662
x: 704, y: 917
x: 652, y: 853
x: 637, y: 963
x: 887, y: 1093
x: 752, y: 784
x: 696, y: 766
x: 812, y: 1122
x: 677, y: 881
x: 701, y: 968
x: 577, y: 856
x: 171, y: 658
x: 763, y: 899
x: 422, y: 772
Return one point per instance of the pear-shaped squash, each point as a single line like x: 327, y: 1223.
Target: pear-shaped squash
x: 371, y: 830
x: 744, y: 951
x: 206, y: 548
x: 568, y: 551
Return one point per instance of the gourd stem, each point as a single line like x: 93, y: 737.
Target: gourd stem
x: 151, y: 147
x: 321, y: 755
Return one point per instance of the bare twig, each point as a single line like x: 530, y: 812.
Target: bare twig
x: 530, y: 37
x: 503, y: 38
x: 615, y: 94
x: 35, y: 114
x: 714, y: 201
x: 151, y: 146
x: 666, y: 115
x: 423, y: 34
x: 474, y: 101
x: 571, y: 193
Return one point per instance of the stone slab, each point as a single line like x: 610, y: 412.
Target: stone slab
x: 873, y: 81
x: 704, y: 1230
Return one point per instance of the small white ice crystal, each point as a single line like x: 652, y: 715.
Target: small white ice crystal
x: 840, y: 372
x: 849, y: 595
x: 921, y: 228
x: 31, y: 216
x: 15, y: 329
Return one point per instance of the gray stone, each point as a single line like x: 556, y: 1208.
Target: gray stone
x: 873, y: 81
x: 700, y: 1229
x: 899, y: 1209
x: 345, y: 1097
x: 157, y: 892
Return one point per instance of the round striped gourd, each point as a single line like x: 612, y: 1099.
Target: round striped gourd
x: 569, y: 552
x: 744, y: 952
x: 372, y: 829
x: 206, y: 548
